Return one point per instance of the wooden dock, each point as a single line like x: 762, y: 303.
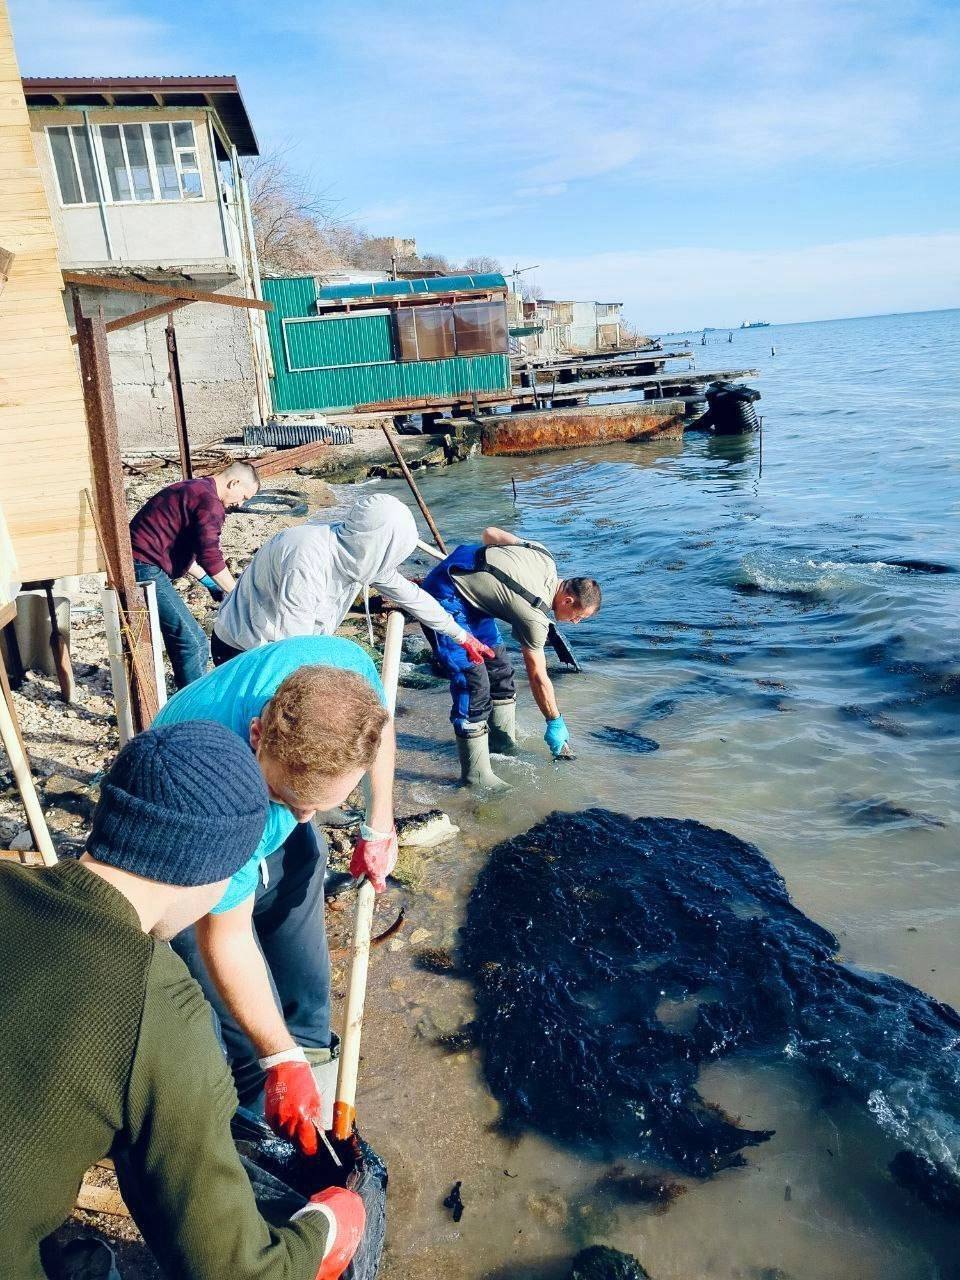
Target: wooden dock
x: 667, y: 384
x: 575, y: 368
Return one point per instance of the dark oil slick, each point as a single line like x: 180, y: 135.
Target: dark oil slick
x: 582, y: 934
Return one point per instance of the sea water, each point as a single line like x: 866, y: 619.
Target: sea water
x: 780, y: 615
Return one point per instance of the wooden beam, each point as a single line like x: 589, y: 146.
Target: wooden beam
x: 148, y: 313
x: 408, y: 300
x: 112, y: 520
x: 179, y: 405
x: 102, y: 1200
x: 279, y: 460
x: 44, y: 459
x: 123, y: 285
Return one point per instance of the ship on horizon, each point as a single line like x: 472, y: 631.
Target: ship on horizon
x: 755, y: 324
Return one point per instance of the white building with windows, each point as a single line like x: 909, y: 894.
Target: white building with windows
x: 143, y: 178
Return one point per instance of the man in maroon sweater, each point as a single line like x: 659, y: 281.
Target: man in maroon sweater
x: 177, y: 532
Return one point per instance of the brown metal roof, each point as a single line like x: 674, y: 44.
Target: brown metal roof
x: 222, y: 93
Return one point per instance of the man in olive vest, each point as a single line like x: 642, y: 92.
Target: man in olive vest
x: 503, y: 578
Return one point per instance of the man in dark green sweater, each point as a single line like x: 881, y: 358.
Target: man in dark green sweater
x: 107, y: 1044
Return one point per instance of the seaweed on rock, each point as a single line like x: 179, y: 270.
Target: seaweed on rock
x: 587, y: 934
x: 602, y: 1263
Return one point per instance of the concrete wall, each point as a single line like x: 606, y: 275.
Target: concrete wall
x: 171, y: 233
x: 583, y: 330
x: 216, y: 367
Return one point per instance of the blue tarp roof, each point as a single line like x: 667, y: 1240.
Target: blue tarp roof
x: 403, y: 288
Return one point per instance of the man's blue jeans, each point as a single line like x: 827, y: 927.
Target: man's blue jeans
x: 289, y: 928
x: 184, y: 639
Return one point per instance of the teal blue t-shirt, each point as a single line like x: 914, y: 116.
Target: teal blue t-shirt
x: 239, y: 690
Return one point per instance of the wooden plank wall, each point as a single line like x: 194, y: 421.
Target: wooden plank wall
x: 44, y: 455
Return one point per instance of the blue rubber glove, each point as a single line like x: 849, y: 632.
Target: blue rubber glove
x: 214, y: 588
x: 557, y: 735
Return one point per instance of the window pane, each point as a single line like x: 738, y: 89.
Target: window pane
x: 70, y: 192
x: 81, y: 142
x: 435, y: 336
x: 481, y: 328
x: 166, y: 165
x: 183, y: 135
x: 137, y: 155
x: 406, y: 333
x: 190, y: 181
x: 116, y: 165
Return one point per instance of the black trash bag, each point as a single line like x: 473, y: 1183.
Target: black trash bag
x: 283, y: 1180
x: 614, y: 957
x: 83, y: 1258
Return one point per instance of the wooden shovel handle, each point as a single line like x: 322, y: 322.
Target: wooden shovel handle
x: 344, y: 1108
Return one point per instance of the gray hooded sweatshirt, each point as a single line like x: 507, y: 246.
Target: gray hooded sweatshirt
x: 303, y: 580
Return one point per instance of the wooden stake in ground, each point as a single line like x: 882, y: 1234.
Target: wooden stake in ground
x: 344, y: 1108
x: 110, y: 510
x: 408, y: 476
x: 13, y: 745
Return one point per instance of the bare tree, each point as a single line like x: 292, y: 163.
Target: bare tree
x: 293, y: 221
x: 631, y: 339
x: 435, y: 262
x: 481, y: 265
x: 298, y: 232
x: 531, y: 292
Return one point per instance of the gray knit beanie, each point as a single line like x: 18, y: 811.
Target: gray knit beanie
x: 183, y: 804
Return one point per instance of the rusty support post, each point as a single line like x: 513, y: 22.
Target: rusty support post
x: 408, y: 476
x: 179, y: 408
x: 112, y: 522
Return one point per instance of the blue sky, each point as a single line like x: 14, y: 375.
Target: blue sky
x: 704, y: 161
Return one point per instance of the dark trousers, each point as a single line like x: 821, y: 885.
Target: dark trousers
x: 183, y: 637
x: 289, y: 927
x: 474, y: 686
x: 222, y: 652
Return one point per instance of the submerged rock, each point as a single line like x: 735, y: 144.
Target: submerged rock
x: 877, y: 811
x: 602, y: 1263
x: 641, y: 1188
x: 873, y: 719
x: 625, y: 739
x: 920, y: 566
x: 424, y: 830
x: 580, y: 931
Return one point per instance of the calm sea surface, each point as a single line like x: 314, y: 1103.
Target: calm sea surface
x: 804, y: 689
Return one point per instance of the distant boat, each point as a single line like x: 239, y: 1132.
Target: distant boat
x: 755, y: 324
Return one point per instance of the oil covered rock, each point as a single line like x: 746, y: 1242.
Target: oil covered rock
x: 602, y: 1263
x: 614, y: 957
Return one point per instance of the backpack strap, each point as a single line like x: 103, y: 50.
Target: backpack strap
x: 484, y: 566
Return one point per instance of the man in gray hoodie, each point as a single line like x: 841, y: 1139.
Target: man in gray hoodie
x: 303, y: 580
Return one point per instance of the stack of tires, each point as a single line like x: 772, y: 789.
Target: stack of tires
x: 731, y: 408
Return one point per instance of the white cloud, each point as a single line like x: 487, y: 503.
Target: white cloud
x: 543, y: 93
x: 95, y: 37
x: 669, y: 289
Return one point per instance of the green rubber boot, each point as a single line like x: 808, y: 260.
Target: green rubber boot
x: 503, y: 728
x: 475, y: 768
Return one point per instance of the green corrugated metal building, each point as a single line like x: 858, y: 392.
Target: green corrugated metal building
x: 391, y: 343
